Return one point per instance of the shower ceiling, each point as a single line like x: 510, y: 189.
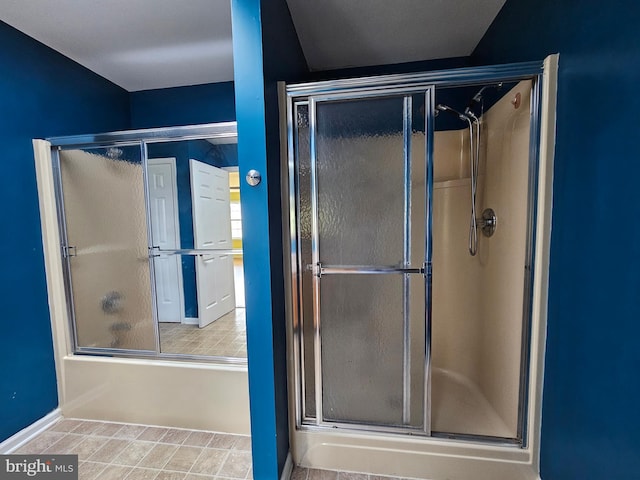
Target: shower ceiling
x: 147, y: 44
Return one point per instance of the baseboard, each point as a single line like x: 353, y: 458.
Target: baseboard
x: 14, y: 442
x: 191, y: 321
x: 288, y: 468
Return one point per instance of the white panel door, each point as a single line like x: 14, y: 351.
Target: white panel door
x: 165, y: 230
x: 212, y: 230
x: 211, y: 206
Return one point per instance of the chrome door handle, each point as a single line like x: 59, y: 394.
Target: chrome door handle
x: 319, y: 270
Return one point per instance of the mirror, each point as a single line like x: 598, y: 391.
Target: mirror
x: 196, y: 227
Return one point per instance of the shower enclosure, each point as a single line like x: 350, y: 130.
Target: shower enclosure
x: 140, y: 255
x: 146, y: 240
x: 412, y: 213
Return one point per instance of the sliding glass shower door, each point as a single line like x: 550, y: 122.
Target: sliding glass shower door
x: 107, y: 248
x: 139, y: 213
x: 367, y: 257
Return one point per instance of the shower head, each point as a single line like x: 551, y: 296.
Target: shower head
x: 477, y: 98
x: 445, y: 108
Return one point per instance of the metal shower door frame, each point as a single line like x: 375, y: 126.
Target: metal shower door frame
x: 75, y: 143
x: 319, y: 270
x: 297, y: 95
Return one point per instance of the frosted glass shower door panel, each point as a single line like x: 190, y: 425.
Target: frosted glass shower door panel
x: 104, y: 206
x: 360, y: 181
x: 304, y: 215
x: 369, y: 197
x: 362, y: 338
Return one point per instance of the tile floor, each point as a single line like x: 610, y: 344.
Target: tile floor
x: 226, y: 337
x: 115, y: 451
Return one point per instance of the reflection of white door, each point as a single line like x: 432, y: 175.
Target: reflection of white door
x: 165, y: 230
x: 212, y: 230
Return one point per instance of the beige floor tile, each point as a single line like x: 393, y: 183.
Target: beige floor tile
x: 153, y: 434
x: 352, y: 476
x: 315, y: 474
x: 199, y: 439
x: 210, y: 461
x: 88, y: 427
x: 88, y: 447
x: 142, y: 474
x: 107, y: 429
x: 175, y: 436
x: 222, y: 440
x: 66, y: 445
x: 114, y: 472
x: 242, y: 443
x: 66, y: 425
x: 166, y: 475
x: 41, y: 443
x: 89, y: 470
x: 130, y: 432
x: 158, y: 456
x: 236, y: 465
x: 183, y: 459
x: 134, y: 452
x: 109, y: 451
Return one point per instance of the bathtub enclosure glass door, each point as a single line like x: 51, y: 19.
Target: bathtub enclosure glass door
x: 107, y: 248
x: 368, y: 165
x: 146, y: 237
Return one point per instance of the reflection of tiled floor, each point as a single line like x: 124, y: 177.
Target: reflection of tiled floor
x: 226, y: 337
x: 114, y: 451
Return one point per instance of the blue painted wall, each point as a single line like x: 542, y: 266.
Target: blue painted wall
x: 283, y: 61
x: 166, y: 107
x: 42, y: 94
x: 407, y: 67
x: 266, y: 49
x: 591, y: 418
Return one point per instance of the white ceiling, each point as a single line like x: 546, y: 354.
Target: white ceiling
x: 148, y: 44
x: 356, y: 33
x: 137, y: 44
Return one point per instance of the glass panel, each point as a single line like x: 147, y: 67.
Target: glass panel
x: 304, y: 246
x: 191, y: 196
x: 418, y: 193
x: 195, y: 204
x: 225, y: 334
x: 371, y: 179
x: 360, y: 179
x: 106, y: 224
x: 478, y: 300
x: 362, y: 348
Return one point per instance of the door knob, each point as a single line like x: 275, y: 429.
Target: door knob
x: 253, y: 177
